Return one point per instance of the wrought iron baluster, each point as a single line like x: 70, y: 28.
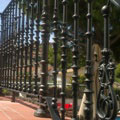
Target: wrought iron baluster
x: 55, y: 47
x: 15, y: 46
x: 42, y: 111
x: 4, y: 51
x: 7, y: 49
x: 10, y: 41
x: 12, y: 45
x: 31, y: 46
x: 26, y: 44
x: 37, y: 43
x: 21, y: 46
x: 1, y: 50
x: 75, y: 59
x: 106, y: 101
x: 6, y: 58
x: 63, y: 57
x: 18, y: 47
x: 0, y: 59
x: 8, y: 46
x: 88, y: 73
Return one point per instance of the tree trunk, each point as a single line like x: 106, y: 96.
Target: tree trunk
x: 96, y: 50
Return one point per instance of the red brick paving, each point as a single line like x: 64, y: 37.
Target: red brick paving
x: 16, y: 111
x: 19, y: 110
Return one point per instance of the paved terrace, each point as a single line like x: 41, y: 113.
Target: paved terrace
x: 19, y: 110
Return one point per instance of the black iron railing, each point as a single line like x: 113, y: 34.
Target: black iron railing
x: 24, y: 24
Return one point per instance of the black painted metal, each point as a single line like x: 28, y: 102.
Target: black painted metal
x: 75, y: 59
x: 31, y: 46
x: 88, y: 72
x: 18, y: 46
x: 106, y: 101
x: 26, y: 45
x: 12, y: 74
x: 55, y: 47
x: 63, y: 57
x: 22, y: 45
x: 52, y: 110
x: 21, y: 27
x: 20, y: 50
x: 44, y: 62
x: 14, y: 46
x: 37, y: 44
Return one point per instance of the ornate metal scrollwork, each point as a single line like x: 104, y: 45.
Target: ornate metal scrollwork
x: 106, y: 101
x: 106, y: 104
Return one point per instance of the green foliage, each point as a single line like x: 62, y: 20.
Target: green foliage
x: 117, y: 73
x: 81, y: 79
x: 5, y: 92
x: 51, y: 56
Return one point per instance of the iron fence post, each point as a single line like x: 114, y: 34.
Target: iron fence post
x: 106, y: 101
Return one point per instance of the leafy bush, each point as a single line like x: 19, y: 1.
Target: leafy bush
x: 5, y: 92
x: 81, y: 79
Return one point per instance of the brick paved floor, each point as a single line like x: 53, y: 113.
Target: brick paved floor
x: 17, y: 111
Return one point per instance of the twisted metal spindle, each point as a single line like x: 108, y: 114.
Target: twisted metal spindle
x: 31, y: 46
x: 18, y: 47
x: 6, y: 57
x: 2, y: 49
x: 7, y: 48
x: 15, y: 46
x: 4, y: 71
x: 75, y: 59
x: 63, y: 57
x: 37, y: 43
x: 10, y: 40
x: 88, y: 73
x: 22, y: 47
x: 26, y: 44
x: 11, y: 43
